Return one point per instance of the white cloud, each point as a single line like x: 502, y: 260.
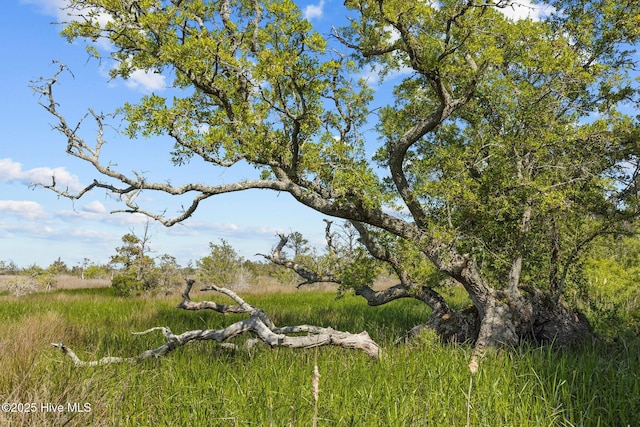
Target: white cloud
x: 394, y: 34
x: 12, y: 171
x: 524, y: 9
x: 28, y: 229
x: 24, y: 209
x: 94, y: 207
x: 94, y: 211
x: 71, y: 216
x: 146, y: 81
x: 314, y: 11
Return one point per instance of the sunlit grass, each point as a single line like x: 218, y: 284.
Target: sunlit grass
x: 419, y: 384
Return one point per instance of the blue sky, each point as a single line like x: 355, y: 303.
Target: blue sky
x: 38, y: 227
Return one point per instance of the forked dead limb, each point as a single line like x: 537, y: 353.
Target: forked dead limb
x: 258, y: 323
x: 309, y: 275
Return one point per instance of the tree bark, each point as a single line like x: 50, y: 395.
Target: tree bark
x: 529, y: 314
x: 187, y: 304
x: 555, y: 322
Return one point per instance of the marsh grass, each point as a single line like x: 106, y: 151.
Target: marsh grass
x: 419, y: 384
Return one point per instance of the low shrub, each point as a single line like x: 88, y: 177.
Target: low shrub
x: 126, y: 285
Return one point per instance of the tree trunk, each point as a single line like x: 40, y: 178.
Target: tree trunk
x: 529, y: 314
x: 499, y: 318
x: 555, y: 322
x: 505, y: 317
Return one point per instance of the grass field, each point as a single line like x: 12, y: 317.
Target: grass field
x: 419, y: 384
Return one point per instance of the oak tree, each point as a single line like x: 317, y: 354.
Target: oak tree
x: 503, y: 151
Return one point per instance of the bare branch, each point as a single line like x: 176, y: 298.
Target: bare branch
x: 187, y: 304
x: 310, y: 277
x: 76, y: 360
x: 259, y: 323
x: 383, y: 254
x: 129, y: 186
x: 328, y: 235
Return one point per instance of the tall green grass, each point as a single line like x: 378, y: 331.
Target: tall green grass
x: 422, y: 383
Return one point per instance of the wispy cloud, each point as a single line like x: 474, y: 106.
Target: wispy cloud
x: 313, y: 11
x: 12, y: 171
x: 55, y: 231
x: 27, y: 229
x: 87, y: 235
x: 75, y: 216
x: 61, y: 10
x: 23, y: 209
x: 145, y: 81
x: 94, y: 207
x: 96, y: 212
x: 54, y: 8
x: 216, y: 230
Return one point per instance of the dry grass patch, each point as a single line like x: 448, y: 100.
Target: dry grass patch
x: 74, y: 282
x: 32, y: 372
x: 270, y: 285
x: 23, y: 343
x: 65, y: 281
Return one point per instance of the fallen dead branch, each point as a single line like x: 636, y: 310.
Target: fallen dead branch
x: 258, y: 323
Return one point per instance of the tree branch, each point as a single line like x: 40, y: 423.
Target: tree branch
x: 310, y: 276
x: 187, y: 304
x: 259, y: 323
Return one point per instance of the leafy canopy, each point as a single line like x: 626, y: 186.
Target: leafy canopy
x: 505, y: 140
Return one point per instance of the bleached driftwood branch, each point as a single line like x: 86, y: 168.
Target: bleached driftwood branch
x: 187, y: 304
x: 259, y: 323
